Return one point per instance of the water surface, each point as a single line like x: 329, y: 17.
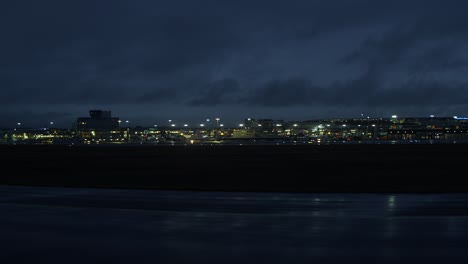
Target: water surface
x: 77, y: 225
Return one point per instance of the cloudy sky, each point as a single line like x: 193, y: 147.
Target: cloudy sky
x: 149, y: 61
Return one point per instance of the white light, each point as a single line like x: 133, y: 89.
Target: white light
x: 172, y: 125
x: 432, y: 116
x: 207, y: 120
x: 295, y: 125
x: 259, y: 125
x: 19, y: 124
x: 278, y: 125
x: 394, y: 116
x: 217, y: 119
x: 249, y: 119
x: 126, y: 121
x: 170, y: 120
x: 328, y: 125
x: 373, y: 125
x: 51, y: 123
x: 221, y: 125
x: 185, y: 125
x: 241, y: 125
x: 202, y: 125
x: 455, y: 117
x: 359, y: 125
x: 344, y: 125
x: 155, y: 125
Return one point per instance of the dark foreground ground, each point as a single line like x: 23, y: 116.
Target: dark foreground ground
x: 80, y: 225
x: 330, y: 168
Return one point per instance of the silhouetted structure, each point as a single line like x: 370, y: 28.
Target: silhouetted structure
x: 100, y: 127
x: 98, y: 120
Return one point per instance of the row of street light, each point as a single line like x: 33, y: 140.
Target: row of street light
x: 172, y: 124
x: 203, y: 124
x: 20, y: 124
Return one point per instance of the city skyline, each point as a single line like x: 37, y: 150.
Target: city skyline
x: 211, y: 122
x: 156, y: 60
x: 102, y: 128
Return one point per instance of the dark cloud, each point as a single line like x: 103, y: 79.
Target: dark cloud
x: 365, y: 90
x: 440, y: 28
x: 249, y: 55
x: 282, y: 93
x: 447, y: 57
x: 424, y: 93
x: 159, y: 96
x: 224, y: 91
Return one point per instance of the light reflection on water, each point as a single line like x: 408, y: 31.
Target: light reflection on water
x: 52, y: 224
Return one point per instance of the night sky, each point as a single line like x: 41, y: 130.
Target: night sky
x: 149, y: 61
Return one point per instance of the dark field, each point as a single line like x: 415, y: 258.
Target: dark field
x: 327, y: 168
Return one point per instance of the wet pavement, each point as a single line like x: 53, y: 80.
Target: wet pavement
x: 78, y: 225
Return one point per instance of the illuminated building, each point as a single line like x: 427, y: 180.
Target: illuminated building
x: 98, y: 120
x: 100, y: 128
